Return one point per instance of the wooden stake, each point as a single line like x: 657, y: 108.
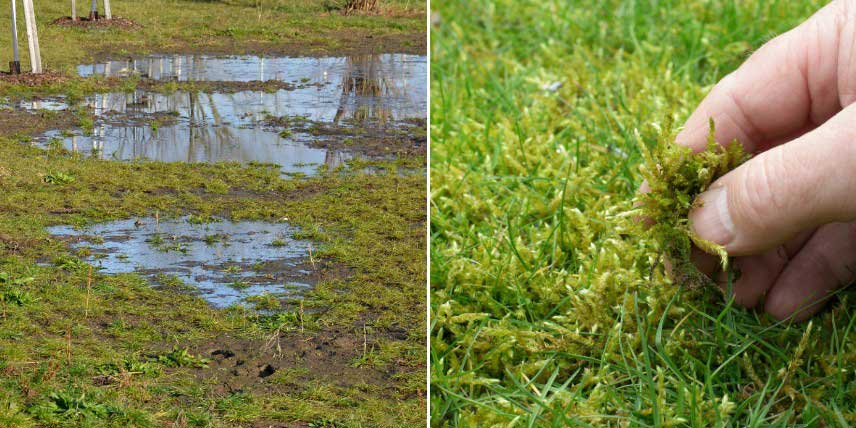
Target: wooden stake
x: 32, y: 37
x: 107, y: 13
x: 74, y: 10
x: 15, y: 64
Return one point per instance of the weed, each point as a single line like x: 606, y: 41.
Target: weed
x: 58, y: 178
x: 173, y: 282
x: 264, y: 302
x: 239, y: 284
x: 70, y: 405
x: 155, y: 240
x: 70, y: 264
x: 181, y: 357
x: 15, y: 296
x: 213, y: 239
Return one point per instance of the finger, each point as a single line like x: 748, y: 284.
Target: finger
x: 707, y: 264
x: 759, y: 272
x: 793, y: 187
x: 791, y: 84
x: 824, y: 265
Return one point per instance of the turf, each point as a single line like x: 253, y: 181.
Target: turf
x: 300, y: 28
x: 549, y: 306
x: 81, y: 349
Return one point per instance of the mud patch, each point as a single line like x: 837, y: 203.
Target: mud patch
x: 30, y: 79
x: 289, y: 361
x: 83, y: 22
x: 219, y: 86
x: 39, y: 119
x: 369, y: 136
x: 226, y: 262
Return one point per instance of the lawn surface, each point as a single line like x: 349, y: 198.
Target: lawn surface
x: 299, y: 28
x: 548, y: 306
x: 83, y: 349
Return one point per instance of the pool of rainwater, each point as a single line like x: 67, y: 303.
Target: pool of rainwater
x: 198, y: 127
x: 379, y: 90
x: 225, y: 261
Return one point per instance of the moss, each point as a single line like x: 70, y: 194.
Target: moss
x: 372, y: 268
x: 676, y: 177
x: 550, y: 305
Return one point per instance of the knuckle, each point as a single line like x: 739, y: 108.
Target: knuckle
x: 758, y: 195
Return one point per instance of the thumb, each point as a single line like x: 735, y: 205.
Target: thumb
x: 799, y: 185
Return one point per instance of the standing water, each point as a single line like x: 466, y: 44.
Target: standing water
x: 361, y: 91
x: 226, y: 261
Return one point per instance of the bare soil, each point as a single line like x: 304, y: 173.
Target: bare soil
x: 24, y: 122
x: 30, y: 79
x: 84, y: 22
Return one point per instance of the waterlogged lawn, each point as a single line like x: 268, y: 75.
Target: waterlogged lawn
x: 227, y: 26
x: 549, y: 305
x: 83, y: 347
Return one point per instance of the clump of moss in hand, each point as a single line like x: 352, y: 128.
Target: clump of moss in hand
x: 677, y: 176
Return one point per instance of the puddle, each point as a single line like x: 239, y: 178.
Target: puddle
x: 373, y: 85
x: 226, y: 261
x: 198, y: 127
x: 365, y: 91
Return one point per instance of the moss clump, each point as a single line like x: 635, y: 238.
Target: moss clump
x: 676, y: 177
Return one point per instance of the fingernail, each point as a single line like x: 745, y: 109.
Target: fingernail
x: 712, y: 221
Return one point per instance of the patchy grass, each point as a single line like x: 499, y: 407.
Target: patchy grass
x: 229, y: 26
x: 86, y: 349
x: 550, y: 307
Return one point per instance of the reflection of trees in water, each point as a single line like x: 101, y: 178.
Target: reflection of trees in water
x: 206, y: 135
x: 366, y: 80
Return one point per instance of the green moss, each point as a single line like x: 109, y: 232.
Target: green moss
x: 372, y: 228
x: 676, y: 177
x: 550, y: 305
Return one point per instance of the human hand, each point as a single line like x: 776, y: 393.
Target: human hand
x: 787, y: 215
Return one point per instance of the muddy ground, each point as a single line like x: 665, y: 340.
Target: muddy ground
x: 26, y: 123
x: 83, y: 348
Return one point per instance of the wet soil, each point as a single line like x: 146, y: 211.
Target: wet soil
x: 30, y: 79
x: 371, y: 138
x: 288, y: 361
x: 221, y: 86
x: 33, y: 122
x: 349, y: 42
x: 85, y: 22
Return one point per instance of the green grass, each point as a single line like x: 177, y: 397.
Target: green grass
x: 57, y: 334
x: 548, y: 306
x: 228, y: 26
